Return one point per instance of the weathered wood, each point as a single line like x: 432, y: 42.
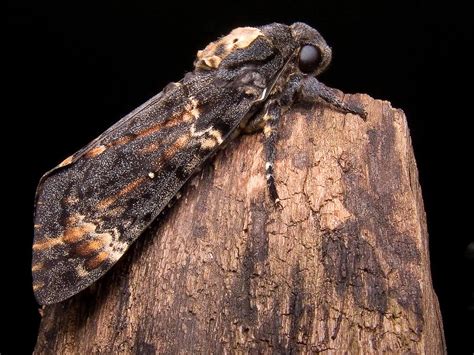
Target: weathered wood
x: 344, y: 266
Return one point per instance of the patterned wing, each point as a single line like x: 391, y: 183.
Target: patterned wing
x: 92, y: 207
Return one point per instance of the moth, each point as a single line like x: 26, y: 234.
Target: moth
x: 96, y: 203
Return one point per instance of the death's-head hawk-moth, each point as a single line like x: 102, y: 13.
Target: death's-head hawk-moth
x: 93, y: 205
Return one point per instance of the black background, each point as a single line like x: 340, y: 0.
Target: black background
x: 74, y: 68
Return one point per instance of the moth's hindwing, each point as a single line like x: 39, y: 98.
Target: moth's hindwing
x: 92, y: 207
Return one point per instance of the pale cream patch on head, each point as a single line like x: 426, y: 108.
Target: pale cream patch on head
x: 151, y: 175
x: 215, y: 52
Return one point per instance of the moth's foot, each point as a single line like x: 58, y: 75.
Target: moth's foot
x: 277, y: 204
x: 356, y: 110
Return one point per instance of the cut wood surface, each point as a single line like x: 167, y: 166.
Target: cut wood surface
x: 343, y: 266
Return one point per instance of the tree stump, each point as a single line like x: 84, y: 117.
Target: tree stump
x: 343, y: 266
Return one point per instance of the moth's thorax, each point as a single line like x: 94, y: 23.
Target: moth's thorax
x: 263, y: 44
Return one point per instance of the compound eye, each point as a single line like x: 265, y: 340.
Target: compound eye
x: 309, y: 59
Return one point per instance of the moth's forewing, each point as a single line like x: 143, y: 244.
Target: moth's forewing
x: 92, y: 207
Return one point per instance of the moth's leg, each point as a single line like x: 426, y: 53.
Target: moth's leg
x: 254, y: 124
x: 283, y: 98
x: 267, y: 120
x: 310, y: 88
x: 271, y: 120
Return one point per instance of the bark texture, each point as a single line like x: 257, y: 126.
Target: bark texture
x: 344, y: 266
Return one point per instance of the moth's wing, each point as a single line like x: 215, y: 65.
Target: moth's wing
x: 92, y: 207
x: 118, y: 127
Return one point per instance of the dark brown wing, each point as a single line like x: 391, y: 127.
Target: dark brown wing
x: 92, y: 207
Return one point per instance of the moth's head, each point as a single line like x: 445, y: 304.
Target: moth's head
x: 313, y: 54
